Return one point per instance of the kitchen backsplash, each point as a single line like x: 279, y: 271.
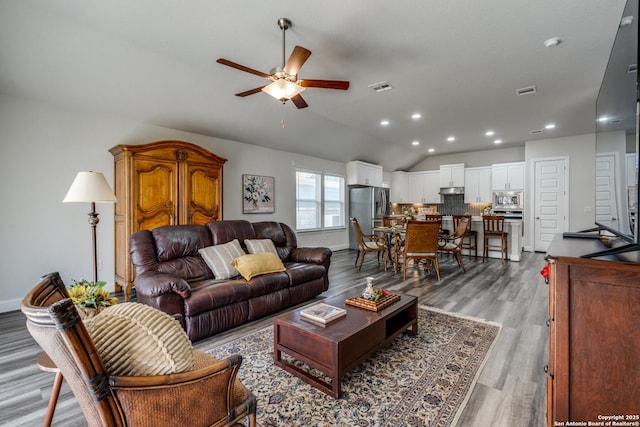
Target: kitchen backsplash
x: 453, y: 205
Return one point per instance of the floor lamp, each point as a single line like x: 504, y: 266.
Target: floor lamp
x: 91, y: 187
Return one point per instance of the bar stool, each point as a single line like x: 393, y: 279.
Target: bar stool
x: 470, y: 238
x: 494, y: 230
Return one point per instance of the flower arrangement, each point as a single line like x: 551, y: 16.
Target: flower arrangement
x: 257, y: 190
x: 409, y: 212
x: 87, y: 294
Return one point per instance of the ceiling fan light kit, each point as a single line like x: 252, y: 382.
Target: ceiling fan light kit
x: 283, y: 90
x: 284, y: 84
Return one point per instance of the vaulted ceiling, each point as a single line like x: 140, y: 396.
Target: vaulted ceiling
x: 457, y: 63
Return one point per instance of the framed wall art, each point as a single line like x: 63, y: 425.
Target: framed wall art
x: 258, y: 194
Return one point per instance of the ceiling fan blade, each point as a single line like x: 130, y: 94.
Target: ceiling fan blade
x: 299, y: 101
x: 241, y: 67
x: 297, y: 58
x: 250, y: 92
x: 325, y: 84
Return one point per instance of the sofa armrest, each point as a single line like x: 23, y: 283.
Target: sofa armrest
x: 318, y: 255
x: 156, y: 283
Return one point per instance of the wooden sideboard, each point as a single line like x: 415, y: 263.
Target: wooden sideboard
x: 161, y: 183
x: 594, y: 335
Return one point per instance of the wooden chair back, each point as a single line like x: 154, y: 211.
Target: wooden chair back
x: 54, y: 323
x: 493, y: 224
x: 421, y: 237
x: 359, y: 234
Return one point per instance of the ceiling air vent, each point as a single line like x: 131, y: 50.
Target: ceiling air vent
x: 615, y: 121
x: 526, y: 90
x: 536, y: 131
x: 381, y: 86
x: 632, y: 68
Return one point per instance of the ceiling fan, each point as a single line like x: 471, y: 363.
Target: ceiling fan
x: 284, y: 84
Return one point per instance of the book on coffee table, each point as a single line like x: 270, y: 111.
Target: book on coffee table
x: 322, y: 313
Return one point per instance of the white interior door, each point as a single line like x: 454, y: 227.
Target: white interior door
x: 606, y: 197
x: 550, y: 201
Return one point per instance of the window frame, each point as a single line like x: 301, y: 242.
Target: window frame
x: 321, y: 202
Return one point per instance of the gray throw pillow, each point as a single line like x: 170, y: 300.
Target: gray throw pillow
x: 219, y: 258
x: 260, y: 246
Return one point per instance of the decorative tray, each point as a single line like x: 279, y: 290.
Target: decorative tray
x: 373, y: 305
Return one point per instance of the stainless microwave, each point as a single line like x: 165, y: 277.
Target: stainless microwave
x: 507, y: 200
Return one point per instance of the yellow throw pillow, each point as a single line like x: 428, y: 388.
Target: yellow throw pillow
x: 253, y: 265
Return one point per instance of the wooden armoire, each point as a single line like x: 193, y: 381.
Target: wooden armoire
x: 161, y: 183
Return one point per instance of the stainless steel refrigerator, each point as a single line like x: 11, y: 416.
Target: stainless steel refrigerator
x: 368, y: 205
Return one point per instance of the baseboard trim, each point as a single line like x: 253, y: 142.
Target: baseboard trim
x: 10, y: 305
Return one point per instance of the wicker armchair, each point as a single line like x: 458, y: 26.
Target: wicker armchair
x: 209, y: 395
x: 421, y: 242
x: 370, y: 243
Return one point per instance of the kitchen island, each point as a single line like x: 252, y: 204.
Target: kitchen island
x: 512, y: 226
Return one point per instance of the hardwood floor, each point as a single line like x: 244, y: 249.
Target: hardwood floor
x: 510, y: 390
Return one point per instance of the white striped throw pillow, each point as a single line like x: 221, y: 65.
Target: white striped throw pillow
x: 260, y: 246
x: 219, y: 258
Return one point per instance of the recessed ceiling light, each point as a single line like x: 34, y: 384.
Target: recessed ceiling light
x: 489, y: 133
x: 416, y: 116
x: 603, y: 119
x: 550, y: 126
x: 555, y: 41
x: 384, y: 123
x: 497, y: 141
x: 451, y: 138
x: 415, y: 143
x: 431, y: 150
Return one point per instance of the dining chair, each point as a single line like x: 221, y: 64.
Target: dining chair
x: 470, y: 239
x: 421, y: 242
x: 453, y: 243
x: 370, y: 243
x: 493, y: 226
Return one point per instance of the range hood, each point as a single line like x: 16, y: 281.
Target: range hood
x: 451, y: 190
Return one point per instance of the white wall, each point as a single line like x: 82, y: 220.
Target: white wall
x: 42, y: 147
x: 472, y: 158
x: 581, y: 152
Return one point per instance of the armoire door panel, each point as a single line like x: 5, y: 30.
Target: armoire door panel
x: 155, y: 193
x: 202, y: 196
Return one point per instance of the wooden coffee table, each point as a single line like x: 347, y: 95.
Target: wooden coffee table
x: 339, y: 347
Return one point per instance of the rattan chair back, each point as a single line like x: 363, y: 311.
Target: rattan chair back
x: 421, y: 242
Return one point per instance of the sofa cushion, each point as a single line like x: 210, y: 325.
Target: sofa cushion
x: 136, y: 339
x: 208, y: 295
x: 258, y: 246
x: 228, y: 230
x: 253, y: 265
x: 219, y: 258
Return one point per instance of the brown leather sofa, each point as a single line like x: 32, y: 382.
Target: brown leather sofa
x: 172, y: 276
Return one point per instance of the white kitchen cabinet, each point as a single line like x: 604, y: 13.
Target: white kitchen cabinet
x: 399, y: 190
x: 416, y: 187
x: 362, y: 173
x: 432, y: 187
x: 452, y: 175
x: 424, y: 187
x: 507, y: 176
x: 477, y: 187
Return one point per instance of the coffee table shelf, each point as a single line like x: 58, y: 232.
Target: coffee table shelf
x: 339, y: 347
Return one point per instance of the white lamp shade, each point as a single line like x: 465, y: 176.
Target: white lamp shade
x: 283, y: 89
x: 90, y: 187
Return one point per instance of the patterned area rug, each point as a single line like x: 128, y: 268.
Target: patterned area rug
x: 422, y: 380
